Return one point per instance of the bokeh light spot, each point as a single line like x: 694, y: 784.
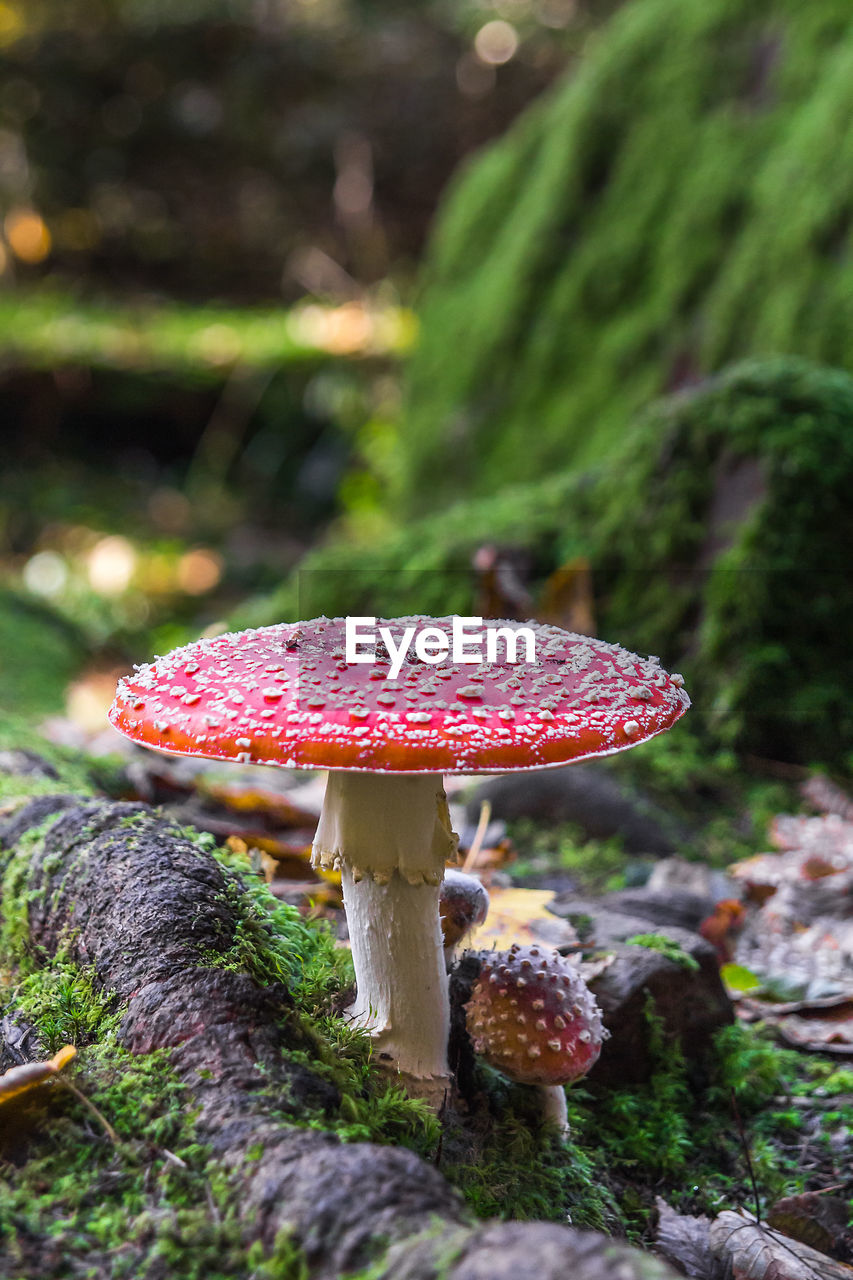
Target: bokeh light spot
x: 45, y: 573
x: 218, y: 344
x: 474, y: 78
x: 496, y: 42
x: 28, y: 235
x: 11, y: 24
x: 110, y: 565
x: 199, y: 570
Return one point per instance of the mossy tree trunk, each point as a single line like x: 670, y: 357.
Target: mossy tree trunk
x: 121, y: 892
x: 680, y: 200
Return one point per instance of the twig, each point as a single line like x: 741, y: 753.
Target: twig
x: 212, y: 1206
x: 173, y: 1159
x: 747, y: 1157
x: 479, y: 836
x: 87, y: 1102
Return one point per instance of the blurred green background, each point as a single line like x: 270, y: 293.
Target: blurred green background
x: 507, y: 306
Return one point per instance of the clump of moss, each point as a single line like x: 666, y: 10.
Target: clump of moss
x: 736, y: 495
x: 158, y: 1198
x: 516, y: 1171
x: 41, y: 653
x: 579, y: 268
x: 596, y: 865
x: 667, y: 947
x: 51, y: 768
x: 79, y: 1194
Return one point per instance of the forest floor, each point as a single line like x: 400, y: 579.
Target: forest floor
x: 147, y: 1180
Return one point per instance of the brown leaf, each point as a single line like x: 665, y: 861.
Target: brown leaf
x: 501, y: 582
x: 828, y: 835
x: 567, y: 598
x: 755, y: 1252
x: 815, y: 1218
x: 685, y: 1242
x: 253, y: 802
x: 832, y: 1033
x: 721, y: 927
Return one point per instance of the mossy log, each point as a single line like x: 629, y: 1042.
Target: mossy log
x: 138, y: 903
x: 680, y: 200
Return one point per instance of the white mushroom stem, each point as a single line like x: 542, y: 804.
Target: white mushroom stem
x: 554, y: 1108
x: 399, y: 965
x: 390, y: 836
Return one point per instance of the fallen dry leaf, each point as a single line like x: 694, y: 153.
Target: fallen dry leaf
x: 280, y: 861
x: 567, y: 598
x: 685, y: 1241
x: 501, y: 582
x: 833, y: 1033
x: 827, y: 796
x: 18, y: 1081
x: 800, y: 962
x: 755, y: 1252
x: 722, y: 926
x: 816, y: 1219
x: 828, y: 835
x: 521, y: 915
x: 765, y: 873
x: 273, y: 806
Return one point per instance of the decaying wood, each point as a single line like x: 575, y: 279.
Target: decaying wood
x: 144, y: 907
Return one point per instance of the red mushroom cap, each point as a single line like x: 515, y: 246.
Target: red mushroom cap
x: 533, y: 1017
x: 285, y: 695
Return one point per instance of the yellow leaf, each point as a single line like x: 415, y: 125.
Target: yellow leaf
x: 520, y: 915
x: 20, y: 1080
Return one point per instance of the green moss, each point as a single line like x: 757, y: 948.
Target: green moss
x: 596, y: 865
x: 273, y: 942
x: 647, y: 1127
x: 41, y: 653
x: 45, y: 327
x: 674, y: 1135
x: 66, y: 1005
x: 72, y: 769
x: 752, y: 1066
x: 666, y: 947
x: 516, y: 1171
x: 78, y: 1193
x: 160, y: 1195
x: 16, y: 894
x: 580, y: 267
x: 755, y: 610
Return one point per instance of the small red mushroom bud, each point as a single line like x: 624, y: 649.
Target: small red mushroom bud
x: 567, y: 1039
x: 463, y: 903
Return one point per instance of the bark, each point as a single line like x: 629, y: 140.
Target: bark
x: 144, y: 907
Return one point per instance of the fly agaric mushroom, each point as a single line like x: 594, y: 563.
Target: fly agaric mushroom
x: 532, y: 1016
x: 285, y: 695
x: 463, y: 903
